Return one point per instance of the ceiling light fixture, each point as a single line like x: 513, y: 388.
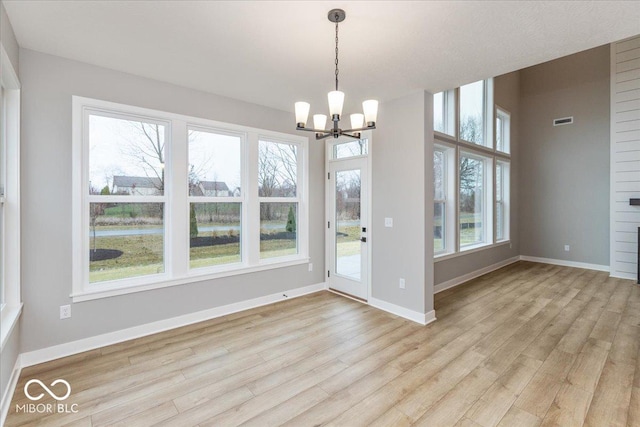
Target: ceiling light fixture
x: 336, y: 101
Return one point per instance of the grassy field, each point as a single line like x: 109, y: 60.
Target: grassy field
x: 143, y: 254
x: 349, y: 244
x: 467, y: 235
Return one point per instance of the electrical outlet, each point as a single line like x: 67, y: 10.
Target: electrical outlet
x: 310, y: 266
x: 388, y: 222
x: 567, y: 248
x: 65, y: 311
x: 402, y: 284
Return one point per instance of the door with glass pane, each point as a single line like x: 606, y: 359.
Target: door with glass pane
x: 347, y: 227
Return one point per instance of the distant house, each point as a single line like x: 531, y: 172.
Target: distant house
x: 210, y: 189
x: 137, y: 185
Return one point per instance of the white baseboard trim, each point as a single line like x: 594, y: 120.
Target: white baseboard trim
x: 469, y: 276
x: 8, y: 392
x: 86, y: 344
x: 415, y: 316
x: 564, y: 263
x: 628, y: 276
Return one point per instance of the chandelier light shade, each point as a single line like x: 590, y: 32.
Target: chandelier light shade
x: 359, y: 121
x: 302, y: 113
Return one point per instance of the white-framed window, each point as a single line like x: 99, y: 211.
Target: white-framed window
x: 503, y: 130
x: 278, y: 184
x: 10, y: 301
x: 474, y: 200
x: 216, y: 197
x: 475, y: 113
x: 444, y: 196
x: 471, y: 193
x: 444, y: 112
x: 125, y: 197
x: 162, y: 199
x: 502, y: 208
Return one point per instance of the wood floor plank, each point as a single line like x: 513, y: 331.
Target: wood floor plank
x: 526, y: 345
x: 569, y: 407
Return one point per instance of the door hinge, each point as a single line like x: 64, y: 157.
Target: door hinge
x: 328, y: 273
x: 328, y: 224
x: 328, y: 175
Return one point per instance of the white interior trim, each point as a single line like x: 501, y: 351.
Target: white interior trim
x: 8, y: 319
x: 7, y: 394
x: 469, y: 276
x: 415, y: 316
x: 67, y: 349
x: 565, y: 263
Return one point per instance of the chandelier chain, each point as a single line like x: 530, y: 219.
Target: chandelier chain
x: 336, y: 52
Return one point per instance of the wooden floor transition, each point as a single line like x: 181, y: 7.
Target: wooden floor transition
x: 527, y: 345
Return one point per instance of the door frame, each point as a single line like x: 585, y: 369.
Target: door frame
x: 329, y: 194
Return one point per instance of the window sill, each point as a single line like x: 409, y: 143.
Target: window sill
x: 469, y: 250
x: 106, y: 292
x: 9, y: 318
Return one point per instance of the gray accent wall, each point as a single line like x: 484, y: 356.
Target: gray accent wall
x: 48, y: 84
x: 506, y: 95
x: 401, y: 154
x: 564, y: 173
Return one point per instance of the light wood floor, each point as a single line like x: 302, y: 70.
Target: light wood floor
x: 527, y: 345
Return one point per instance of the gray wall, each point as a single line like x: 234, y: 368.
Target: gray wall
x: 506, y: 95
x: 401, y: 153
x: 11, y: 348
x: 8, y: 38
x: 48, y: 83
x: 564, y: 175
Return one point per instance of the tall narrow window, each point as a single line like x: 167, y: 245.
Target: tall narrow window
x: 473, y: 113
x: 215, y: 197
x: 502, y: 200
x: 473, y: 195
x: 503, y: 130
x: 278, y: 170
x: 126, y: 197
x: 439, y: 201
x: 444, y: 112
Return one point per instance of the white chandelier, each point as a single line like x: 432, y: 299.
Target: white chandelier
x: 336, y: 101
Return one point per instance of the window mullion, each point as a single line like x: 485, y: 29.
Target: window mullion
x: 177, y: 205
x: 251, y: 213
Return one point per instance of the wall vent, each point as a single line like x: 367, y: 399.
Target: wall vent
x: 563, y: 121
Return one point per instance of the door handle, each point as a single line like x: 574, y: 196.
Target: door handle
x: 363, y: 239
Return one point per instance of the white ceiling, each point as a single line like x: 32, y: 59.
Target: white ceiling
x: 274, y: 53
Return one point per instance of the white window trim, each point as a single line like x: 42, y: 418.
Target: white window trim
x: 506, y: 200
x: 449, y: 114
x: 176, y: 258
x: 506, y: 136
x: 12, y: 307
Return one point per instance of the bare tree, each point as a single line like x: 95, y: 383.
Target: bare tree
x: 148, y: 151
x: 277, y: 173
